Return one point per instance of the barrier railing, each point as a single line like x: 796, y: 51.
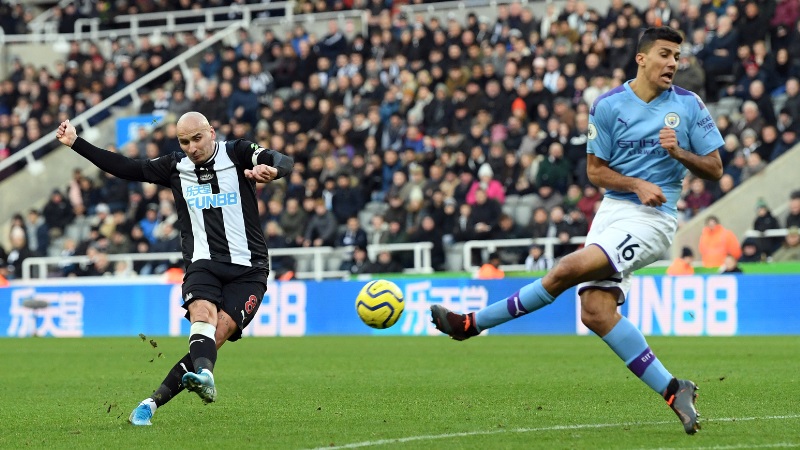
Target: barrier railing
x: 45, y: 32
x: 778, y: 232
x: 318, y: 256
x: 460, y: 6
x: 42, y: 262
x: 209, y: 15
x: 492, y: 245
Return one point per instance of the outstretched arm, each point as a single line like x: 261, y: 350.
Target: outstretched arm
x: 603, y: 176
x: 113, y: 163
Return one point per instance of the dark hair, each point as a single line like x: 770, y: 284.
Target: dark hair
x: 653, y: 34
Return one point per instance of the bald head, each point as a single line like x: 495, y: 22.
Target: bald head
x: 192, y: 121
x: 196, y: 136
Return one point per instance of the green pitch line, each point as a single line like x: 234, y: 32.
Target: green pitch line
x: 523, y: 392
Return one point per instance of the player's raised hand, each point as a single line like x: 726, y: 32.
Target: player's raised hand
x: 66, y: 133
x: 669, y: 140
x: 649, y: 194
x: 261, y: 173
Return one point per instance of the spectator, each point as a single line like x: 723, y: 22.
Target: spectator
x: 490, y: 270
x: 751, y: 251
x: 716, y: 243
x: 18, y: 254
x: 385, y: 263
x: 378, y: 231
x: 243, y: 104
x: 789, y: 138
x: 793, y: 219
x: 554, y: 171
x: 353, y: 234
x: 683, y: 264
x: 790, y: 250
x: 754, y: 165
x: 493, y: 189
x: 699, y: 198
x: 765, y: 221
x: 751, y: 118
x: 536, y: 260
x: 719, y: 55
x: 358, y: 263
x: 149, y: 222
x: 347, y: 200
x: 731, y: 265
x: 293, y: 220
x: 427, y: 231
x: 690, y: 74
x: 769, y: 138
x: 321, y: 227
x: 37, y: 232
x: 57, y: 213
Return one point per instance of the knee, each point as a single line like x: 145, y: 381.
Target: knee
x: 598, y: 319
x: 203, y: 311
x: 560, y: 277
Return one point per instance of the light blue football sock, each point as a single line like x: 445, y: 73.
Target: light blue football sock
x: 629, y: 344
x: 527, y: 300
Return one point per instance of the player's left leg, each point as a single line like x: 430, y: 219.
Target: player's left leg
x: 172, y: 384
x: 588, y: 263
x: 599, y: 314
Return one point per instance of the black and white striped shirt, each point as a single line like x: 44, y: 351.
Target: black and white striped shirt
x: 216, y: 204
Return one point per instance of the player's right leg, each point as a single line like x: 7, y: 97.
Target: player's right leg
x: 599, y: 314
x: 172, y: 384
x: 588, y: 263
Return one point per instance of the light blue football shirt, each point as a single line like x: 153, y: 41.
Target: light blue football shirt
x: 623, y: 130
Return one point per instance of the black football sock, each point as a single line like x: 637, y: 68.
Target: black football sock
x: 172, y: 386
x: 202, y: 346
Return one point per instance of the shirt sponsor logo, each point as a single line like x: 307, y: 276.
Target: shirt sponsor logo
x: 706, y: 124
x: 201, y: 197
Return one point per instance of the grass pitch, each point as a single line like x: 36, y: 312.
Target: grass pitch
x: 400, y: 392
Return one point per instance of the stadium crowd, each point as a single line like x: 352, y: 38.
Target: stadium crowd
x: 444, y: 130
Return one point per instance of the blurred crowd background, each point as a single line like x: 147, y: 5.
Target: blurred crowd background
x: 444, y: 129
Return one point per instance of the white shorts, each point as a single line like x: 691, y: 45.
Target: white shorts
x: 632, y: 236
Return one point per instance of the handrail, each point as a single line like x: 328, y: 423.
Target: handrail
x: 422, y: 254
x: 204, y: 12
x: 493, y: 244
x: 777, y: 232
x: 317, y: 17
x: 459, y: 5
x: 83, y: 119
x: 41, y: 262
x: 37, y: 23
x: 42, y: 35
x: 422, y: 259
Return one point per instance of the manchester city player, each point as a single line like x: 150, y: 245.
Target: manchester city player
x: 643, y: 136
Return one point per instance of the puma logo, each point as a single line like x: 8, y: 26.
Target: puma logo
x: 515, y: 307
x: 624, y: 122
x: 196, y: 340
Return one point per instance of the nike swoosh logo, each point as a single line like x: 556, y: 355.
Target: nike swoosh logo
x: 196, y: 340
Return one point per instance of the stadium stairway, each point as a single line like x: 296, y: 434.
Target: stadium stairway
x: 737, y: 210
x: 25, y: 190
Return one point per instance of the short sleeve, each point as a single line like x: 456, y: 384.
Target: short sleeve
x: 243, y: 152
x: 600, y: 130
x: 704, y: 136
